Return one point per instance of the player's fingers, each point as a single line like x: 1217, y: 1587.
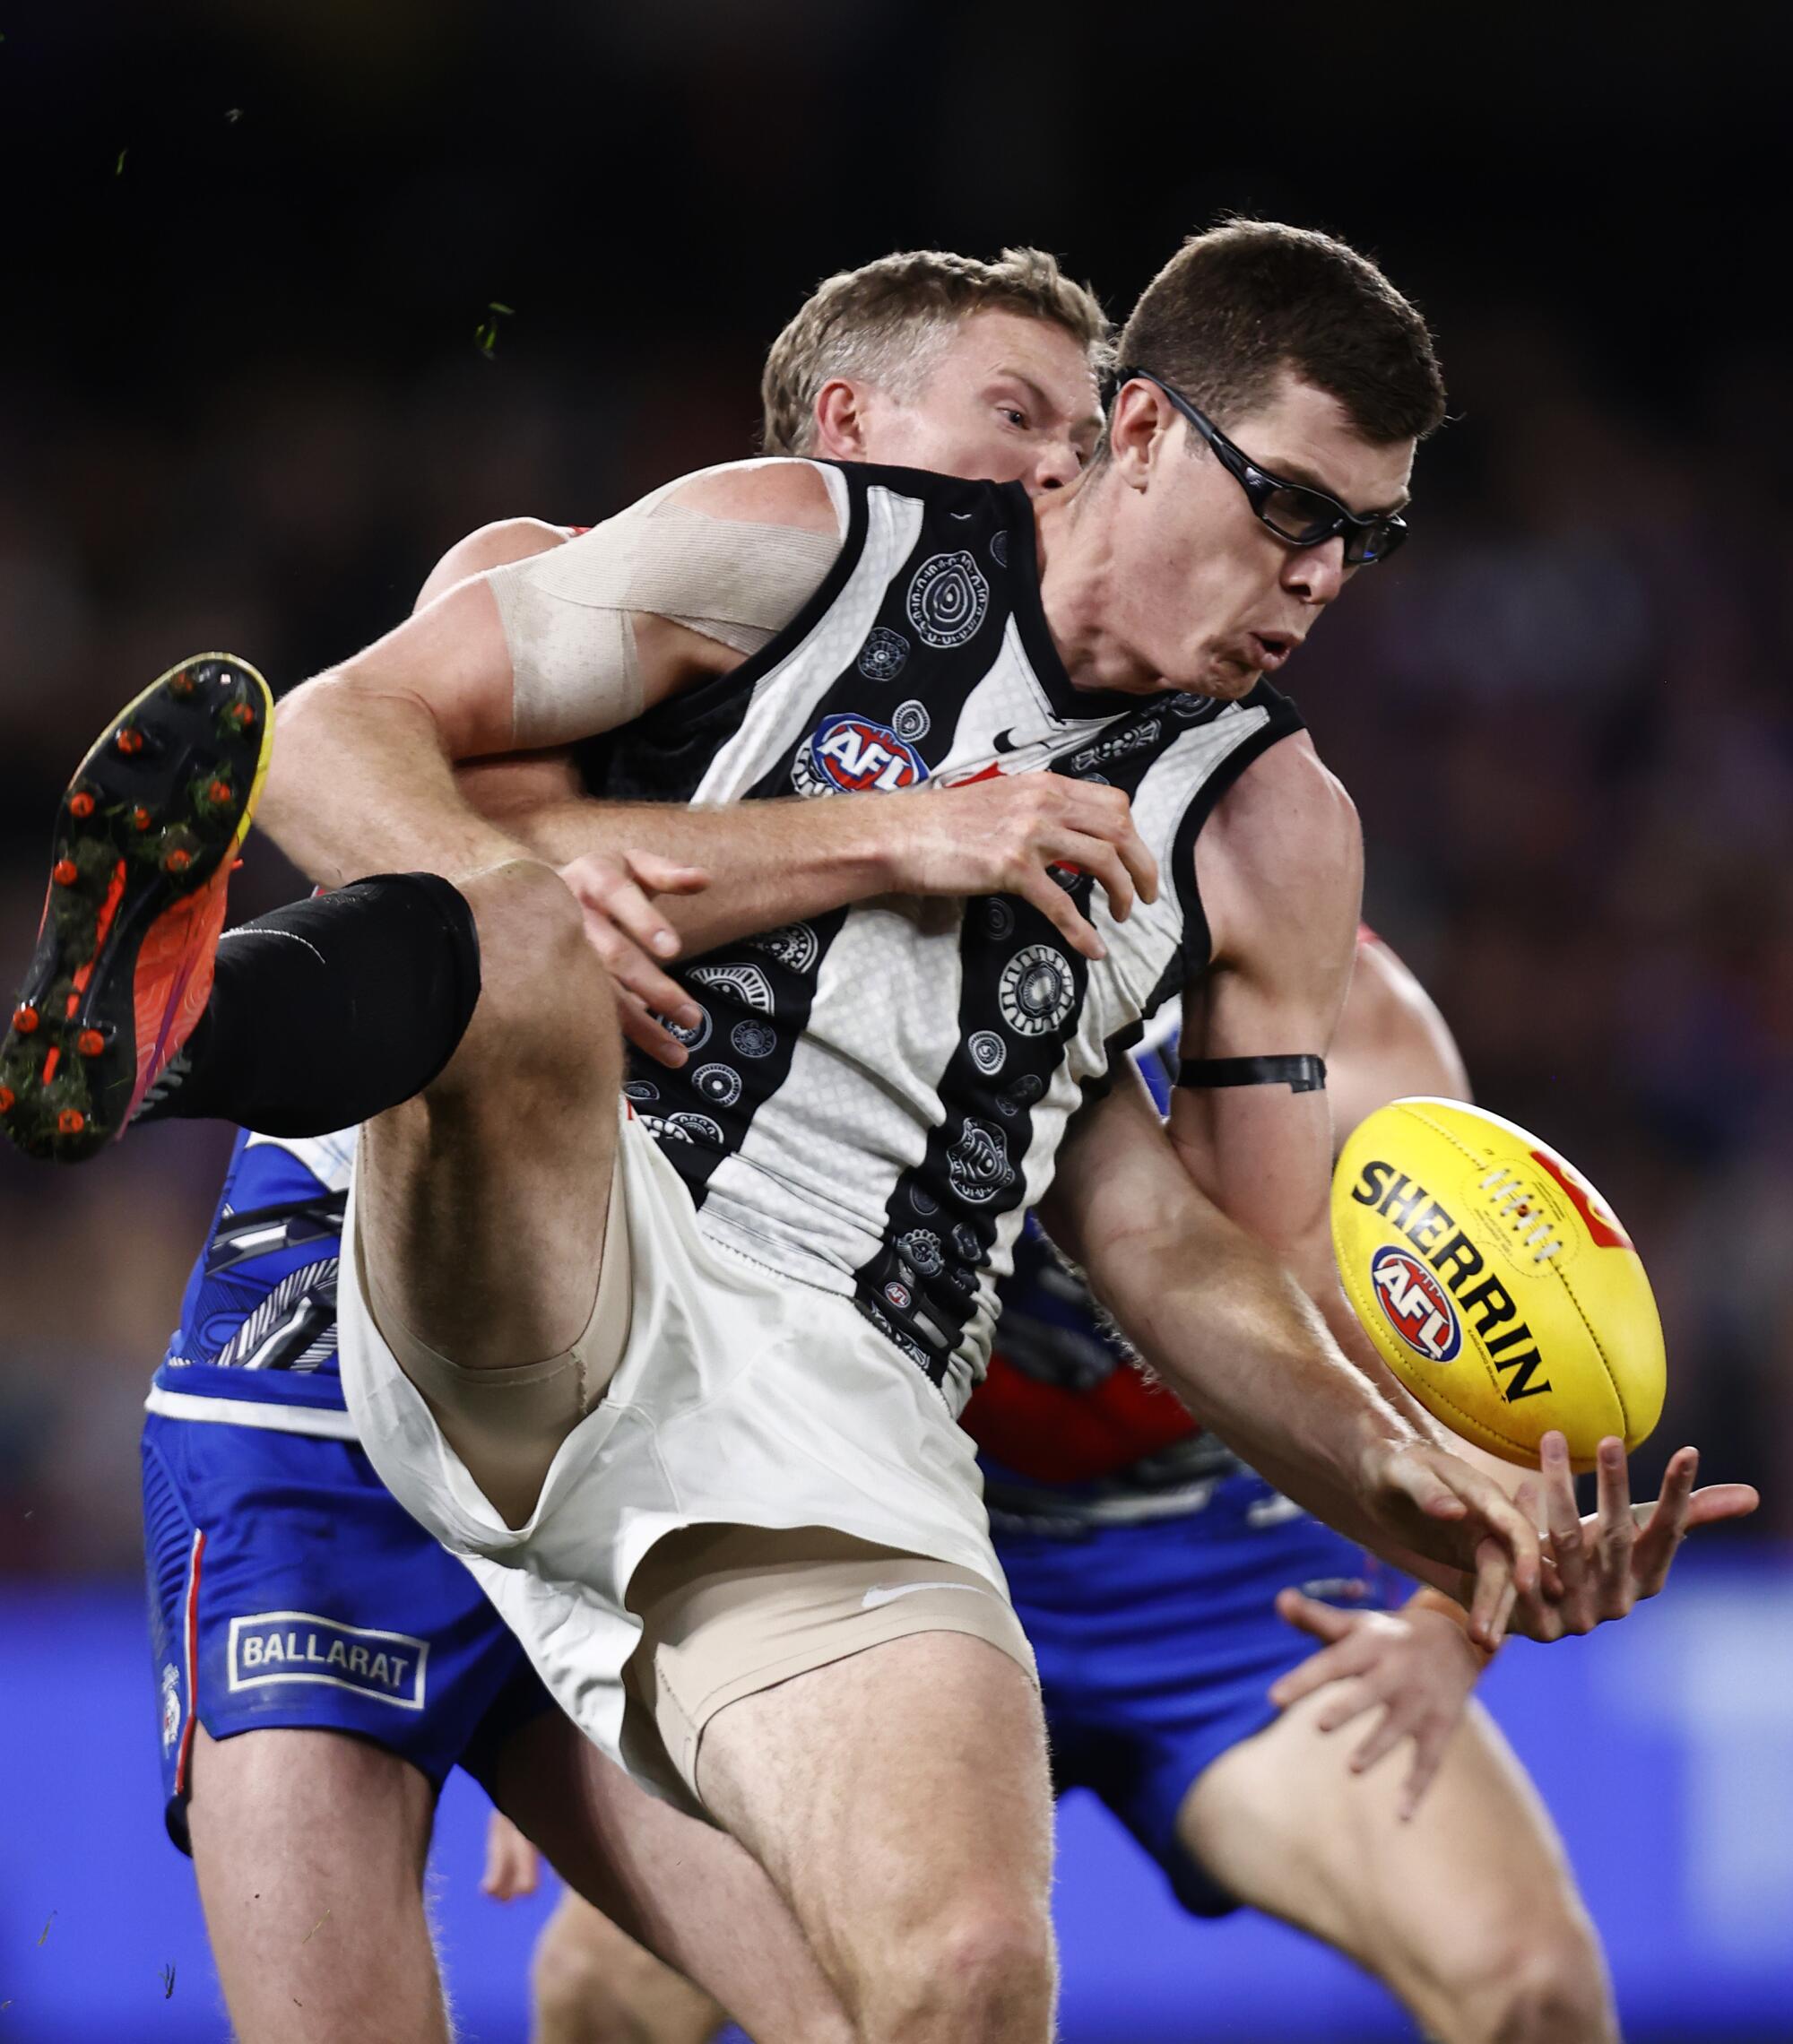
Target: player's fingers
x: 1104, y: 812
x: 1382, y: 1737
x: 1568, y: 1541
x: 665, y: 876
x: 1715, y: 1501
x: 1431, y: 1738
x: 1309, y: 1615
x: 1349, y: 1699
x: 1474, y: 1497
x: 1059, y: 909
x: 1492, y: 1604
x: 648, y: 1033
x: 1615, y: 1534
x: 636, y: 974
x: 1098, y: 858
x: 1655, y: 1551
x: 1329, y: 1665
x: 625, y: 901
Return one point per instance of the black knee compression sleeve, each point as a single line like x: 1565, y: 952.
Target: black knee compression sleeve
x: 330, y: 1010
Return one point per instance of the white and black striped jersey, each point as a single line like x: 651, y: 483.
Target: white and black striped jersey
x: 874, y: 1098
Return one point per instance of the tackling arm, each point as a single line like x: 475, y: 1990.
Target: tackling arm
x: 362, y: 781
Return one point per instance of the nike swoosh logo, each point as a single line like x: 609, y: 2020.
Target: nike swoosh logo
x: 1004, y: 741
x: 959, y: 515
x: 888, y: 1593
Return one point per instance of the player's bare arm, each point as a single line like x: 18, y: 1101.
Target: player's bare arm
x: 1219, y: 1315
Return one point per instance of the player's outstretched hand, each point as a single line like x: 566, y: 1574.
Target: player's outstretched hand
x: 513, y: 1865
x: 1417, y: 1667
x: 1597, y: 1568
x: 1005, y: 834
x: 631, y: 937
x: 1448, y: 1511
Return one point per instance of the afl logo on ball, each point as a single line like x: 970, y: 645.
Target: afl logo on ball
x: 1417, y: 1306
x: 853, y: 754
x: 947, y: 600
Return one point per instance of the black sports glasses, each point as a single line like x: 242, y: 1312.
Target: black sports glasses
x: 1294, y: 512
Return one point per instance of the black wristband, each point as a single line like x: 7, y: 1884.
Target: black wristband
x: 1302, y: 1074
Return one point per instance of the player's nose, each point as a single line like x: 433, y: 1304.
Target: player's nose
x: 1057, y: 468
x: 1316, y: 574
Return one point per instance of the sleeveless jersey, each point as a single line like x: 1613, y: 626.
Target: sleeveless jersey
x: 875, y: 1096
x: 1072, y: 1433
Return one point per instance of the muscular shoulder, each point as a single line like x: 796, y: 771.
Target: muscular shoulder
x: 497, y: 545
x: 1391, y: 1040
x: 1282, y: 856
x: 769, y: 492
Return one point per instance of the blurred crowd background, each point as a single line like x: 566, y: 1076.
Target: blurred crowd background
x: 300, y: 291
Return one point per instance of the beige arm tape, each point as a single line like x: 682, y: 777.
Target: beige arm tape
x: 567, y: 613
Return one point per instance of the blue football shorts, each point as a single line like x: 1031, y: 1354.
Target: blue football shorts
x: 1157, y: 1642
x: 288, y: 1588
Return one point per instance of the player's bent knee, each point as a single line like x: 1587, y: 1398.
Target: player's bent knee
x: 1543, y: 1984
x: 986, y: 1970
x: 542, y: 988
x: 1556, y: 1994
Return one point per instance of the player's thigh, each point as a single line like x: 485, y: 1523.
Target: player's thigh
x: 900, y: 1799
x: 1472, y: 1892
x: 482, y: 1204
x: 689, y: 1894
x: 590, y: 1983
x: 309, y: 1848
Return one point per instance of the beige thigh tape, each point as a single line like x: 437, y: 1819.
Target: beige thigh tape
x: 728, y: 1611
x: 507, y: 1424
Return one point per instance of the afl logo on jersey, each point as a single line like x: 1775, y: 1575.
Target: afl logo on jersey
x: 853, y: 754
x: 948, y: 599
x: 1035, y: 993
x: 1417, y: 1306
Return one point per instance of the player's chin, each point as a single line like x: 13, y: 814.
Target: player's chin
x: 1228, y: 679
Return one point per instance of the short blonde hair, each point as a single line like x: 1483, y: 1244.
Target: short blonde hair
x: 886, y: 321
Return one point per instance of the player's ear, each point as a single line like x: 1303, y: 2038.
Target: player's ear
x: 1139, y: 417
x: 840, y: 421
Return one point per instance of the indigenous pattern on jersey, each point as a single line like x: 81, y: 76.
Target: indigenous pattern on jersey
x: 256, y: 1342
x: 1071, y: 1433
x: 874, y: 1095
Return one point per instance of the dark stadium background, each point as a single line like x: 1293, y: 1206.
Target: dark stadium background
x: 252, y: 384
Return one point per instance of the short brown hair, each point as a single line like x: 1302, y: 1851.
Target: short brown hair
x: 884, y: 320
x: 1234, y: 307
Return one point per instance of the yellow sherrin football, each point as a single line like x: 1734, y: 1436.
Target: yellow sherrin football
x: 1495, y: 1282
